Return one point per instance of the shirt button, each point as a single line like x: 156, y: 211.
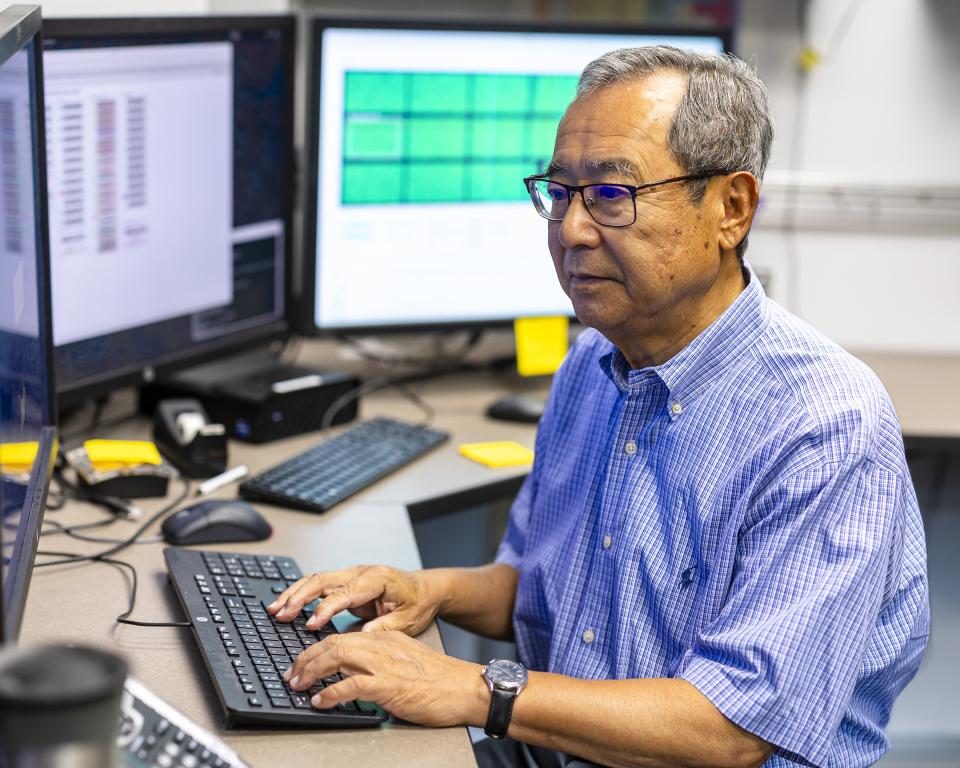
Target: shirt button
x: 676, y: 409
x: 588, y: 636
x: 607, y: 541
x: 630, y: 448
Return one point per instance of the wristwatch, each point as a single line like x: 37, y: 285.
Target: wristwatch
x: 505, y: 679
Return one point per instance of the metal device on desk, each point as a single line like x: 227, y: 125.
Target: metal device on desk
x: 155, y: 735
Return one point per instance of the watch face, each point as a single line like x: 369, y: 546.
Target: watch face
x: 505, y: 674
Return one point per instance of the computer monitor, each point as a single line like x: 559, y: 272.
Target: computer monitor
x: 170, y: 168
x: 27, y: 414
x: 416, y: 215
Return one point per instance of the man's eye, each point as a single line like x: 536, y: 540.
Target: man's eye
x: 608, y: 192
x: 557, y: 193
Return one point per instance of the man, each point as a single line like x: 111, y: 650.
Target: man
x: 717, y: 558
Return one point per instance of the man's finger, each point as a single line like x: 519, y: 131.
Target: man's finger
x: 281, y: 600
x: 319, y: 660
x: 306, y: 590
x: 349, y: 689
x: 350, y: 595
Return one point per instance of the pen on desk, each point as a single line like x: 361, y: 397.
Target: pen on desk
x: 224, y: 478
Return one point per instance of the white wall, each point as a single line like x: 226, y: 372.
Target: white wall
x: 881, y: 118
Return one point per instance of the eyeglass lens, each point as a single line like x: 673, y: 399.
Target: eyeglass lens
x: 607, y: 203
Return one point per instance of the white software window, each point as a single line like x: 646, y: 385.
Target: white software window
x: 140, y: 176
x: 18, y: 299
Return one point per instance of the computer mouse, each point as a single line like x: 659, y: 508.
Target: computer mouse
x: 523, y: 408
x: 214, y: 522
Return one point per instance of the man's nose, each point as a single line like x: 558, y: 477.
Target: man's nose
x: 578, y: 227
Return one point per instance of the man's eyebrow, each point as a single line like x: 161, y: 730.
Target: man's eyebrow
x: 555, y: 167
x: 618, y: 165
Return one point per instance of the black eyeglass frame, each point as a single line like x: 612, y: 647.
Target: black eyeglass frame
x: 530, y: 183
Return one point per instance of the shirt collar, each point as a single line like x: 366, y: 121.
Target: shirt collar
x: 693, y: 367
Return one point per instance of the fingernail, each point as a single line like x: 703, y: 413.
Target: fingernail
x: 316, y: 700
x: 293, y: 683
x: 273, y: 606
x: 286, y: 675
x: 313, y: 622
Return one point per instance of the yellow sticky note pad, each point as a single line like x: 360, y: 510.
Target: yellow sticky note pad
x: 17, y: 456
x: 541, y: 344
x: 112, y: 454
x: 504, y: 453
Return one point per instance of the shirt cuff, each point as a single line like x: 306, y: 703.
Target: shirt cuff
x: 754, y: 713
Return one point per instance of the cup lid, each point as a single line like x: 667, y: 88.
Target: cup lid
x: 59, y: 676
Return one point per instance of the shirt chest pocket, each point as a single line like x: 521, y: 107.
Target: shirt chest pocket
x: 669, y: 574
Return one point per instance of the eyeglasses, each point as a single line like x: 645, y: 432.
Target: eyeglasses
x: 612, y: 205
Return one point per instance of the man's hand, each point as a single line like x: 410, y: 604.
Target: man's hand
x: 400, y: 674
x: 386, y: 598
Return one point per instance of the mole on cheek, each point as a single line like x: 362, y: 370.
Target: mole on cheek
x: 678, y: 232
x: 706, y: 246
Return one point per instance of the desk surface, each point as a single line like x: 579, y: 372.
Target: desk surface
x: 79, y: 602
x: 925, y: 390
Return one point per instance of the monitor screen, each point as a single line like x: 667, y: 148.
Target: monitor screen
x: 27, y: 434
x: 170, y: 151
x: 417, y: 215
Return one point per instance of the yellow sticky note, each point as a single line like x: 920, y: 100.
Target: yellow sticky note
x: 541, y: 344
x: 504, y: 453
x: 113, y: 454
x: 17, y: 456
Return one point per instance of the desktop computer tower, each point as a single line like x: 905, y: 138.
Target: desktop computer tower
x: 259, y: 399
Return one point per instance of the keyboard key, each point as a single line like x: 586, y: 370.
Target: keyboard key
x: 300, y: 701
x: 253, y: 701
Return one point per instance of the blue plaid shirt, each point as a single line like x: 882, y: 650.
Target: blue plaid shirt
x: 741, y: 517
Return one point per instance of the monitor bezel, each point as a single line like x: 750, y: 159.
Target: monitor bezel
x: 23, y: 24
x: 306, y: 298
x: 75, y: 392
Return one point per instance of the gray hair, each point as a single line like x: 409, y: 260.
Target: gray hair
x: 723, y: 120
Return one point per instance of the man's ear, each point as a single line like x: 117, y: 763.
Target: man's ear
x: 740, y: 194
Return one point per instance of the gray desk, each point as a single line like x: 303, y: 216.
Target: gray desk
x: 925, y: 390
x: 79, y: 603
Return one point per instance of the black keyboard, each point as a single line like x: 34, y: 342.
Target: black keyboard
x: 155, y: 735
x: 339, y: 467
x: 245, y: 650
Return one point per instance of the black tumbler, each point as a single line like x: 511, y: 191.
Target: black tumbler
x: 60, y: 707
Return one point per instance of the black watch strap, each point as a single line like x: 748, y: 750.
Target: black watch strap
x: 501, y: 710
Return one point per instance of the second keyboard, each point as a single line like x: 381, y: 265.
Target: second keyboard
x: 343, y: 465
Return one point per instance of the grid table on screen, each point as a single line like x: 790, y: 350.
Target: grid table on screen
x: 416, y: 137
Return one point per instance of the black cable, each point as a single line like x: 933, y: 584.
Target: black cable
x: 439, y: 359
x: 122, y: 618
x: 58, y: 498
x: 60, y: 528
x: 132, y: 539
x: 407, y: 391
x: 114, y: 504
x: 349, y: 396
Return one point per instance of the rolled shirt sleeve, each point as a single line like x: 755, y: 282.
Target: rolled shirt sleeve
x: 817, y: 561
